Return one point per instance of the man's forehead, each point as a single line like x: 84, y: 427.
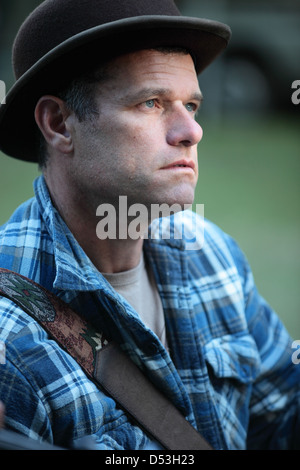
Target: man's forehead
x: 152, y: 58
x: 154, y: 66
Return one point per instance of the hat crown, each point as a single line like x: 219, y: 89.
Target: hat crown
x: 55, y: 21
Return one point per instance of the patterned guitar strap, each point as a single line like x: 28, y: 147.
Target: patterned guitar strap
x: 104, y: 363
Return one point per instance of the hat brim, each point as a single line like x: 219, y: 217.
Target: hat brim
x: 204, y: 39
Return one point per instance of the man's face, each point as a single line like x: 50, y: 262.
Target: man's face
x: 143, y: 144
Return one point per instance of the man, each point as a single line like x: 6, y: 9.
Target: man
x: 105, y: 99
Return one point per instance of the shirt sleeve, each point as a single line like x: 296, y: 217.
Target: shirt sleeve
x: 48, y: 397
x: 275, y: 400
x: 25, y: 412
x: 46, y: 394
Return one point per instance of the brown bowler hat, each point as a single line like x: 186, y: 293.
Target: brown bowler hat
x: 63, y: 38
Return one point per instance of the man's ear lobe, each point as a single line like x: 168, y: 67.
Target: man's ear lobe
x: 51, y: 115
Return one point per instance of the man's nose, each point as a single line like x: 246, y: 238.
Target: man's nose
x: 184, y: 130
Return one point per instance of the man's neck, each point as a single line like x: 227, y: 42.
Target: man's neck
x: 110, y: 255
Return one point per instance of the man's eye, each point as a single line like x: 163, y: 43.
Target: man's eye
x: 191, y: 107
x: 150, y: 103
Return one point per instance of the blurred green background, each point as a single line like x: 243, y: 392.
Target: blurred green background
x: 249, y: 184
x: 249, y: 157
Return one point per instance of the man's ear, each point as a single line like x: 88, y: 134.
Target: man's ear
x: 51, y: 115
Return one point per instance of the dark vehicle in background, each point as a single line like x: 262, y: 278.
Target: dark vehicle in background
x: 257, y: 70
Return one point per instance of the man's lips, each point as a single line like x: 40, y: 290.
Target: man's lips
x: 181, y: 164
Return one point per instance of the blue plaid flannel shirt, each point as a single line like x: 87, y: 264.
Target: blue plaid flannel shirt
x: 229, y: 367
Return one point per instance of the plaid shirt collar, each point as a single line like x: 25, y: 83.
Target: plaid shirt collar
x: 67, y: 252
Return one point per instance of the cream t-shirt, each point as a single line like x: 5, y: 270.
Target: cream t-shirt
x: 139, y: 288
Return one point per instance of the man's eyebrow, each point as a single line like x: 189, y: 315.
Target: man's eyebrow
x: 146, y: 93
x: 197, y: 96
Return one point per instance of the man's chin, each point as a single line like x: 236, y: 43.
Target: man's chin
x: 169, y: 206
x: 182, y: 199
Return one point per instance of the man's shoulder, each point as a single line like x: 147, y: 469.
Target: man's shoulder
x: 13, y: 319
x: 195, y: 231
x: 202, y: 239
x: 25, y: 220
x: 22, y: 216
x: 20, y: 237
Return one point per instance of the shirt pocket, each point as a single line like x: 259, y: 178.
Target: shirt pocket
x: 233, y: 364
x: 233, y: 357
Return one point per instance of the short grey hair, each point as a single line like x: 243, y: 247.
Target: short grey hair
x: 80, y: 97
